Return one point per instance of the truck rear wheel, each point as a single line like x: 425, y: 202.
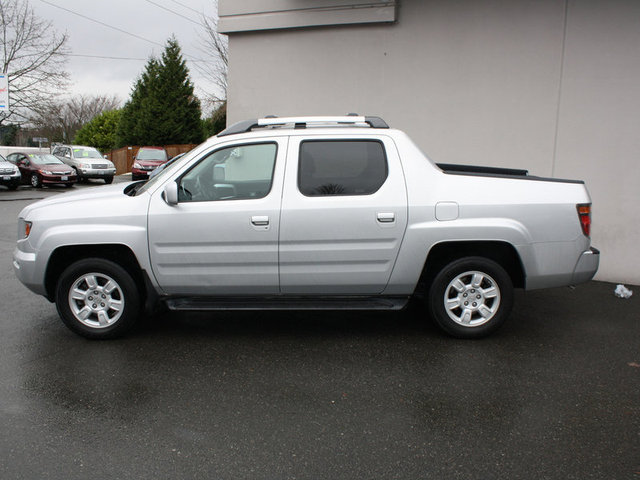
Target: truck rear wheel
x: 471, y: 297
x: 97, y: 298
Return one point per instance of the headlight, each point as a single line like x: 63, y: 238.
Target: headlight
x: 85, y: 165
x: 45, y: 172
x: 136, y: 165
x: 24, y: 228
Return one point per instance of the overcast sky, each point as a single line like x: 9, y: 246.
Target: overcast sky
x: 143, y: 18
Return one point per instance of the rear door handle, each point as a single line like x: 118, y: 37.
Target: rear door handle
x: 260, y: 221
x: 386, y: 217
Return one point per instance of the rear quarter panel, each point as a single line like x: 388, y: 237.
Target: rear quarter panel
x: 537, y: 217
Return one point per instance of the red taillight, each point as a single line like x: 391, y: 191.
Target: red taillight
x: 584, y: 213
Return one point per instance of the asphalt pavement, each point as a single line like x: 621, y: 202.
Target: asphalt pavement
x: 555, y: 394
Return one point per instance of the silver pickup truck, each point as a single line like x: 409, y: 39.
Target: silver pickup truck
x: 307, y: 213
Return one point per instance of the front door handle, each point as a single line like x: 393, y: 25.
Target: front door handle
x: 386, y: 217
x: 260, y: 221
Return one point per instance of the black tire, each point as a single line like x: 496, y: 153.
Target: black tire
x: 106, y: 302
x: 35, y: 181
x: 471, y: 297
x: 108, y: 180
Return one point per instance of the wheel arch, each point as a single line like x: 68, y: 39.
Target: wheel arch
x: 120, y: 254
x: 503, y: 253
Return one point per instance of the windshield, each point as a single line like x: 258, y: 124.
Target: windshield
x: 44, y: 159
x: 86, y: 153
x: 151, y: 154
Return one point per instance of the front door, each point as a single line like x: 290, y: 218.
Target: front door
x: 222, y: 236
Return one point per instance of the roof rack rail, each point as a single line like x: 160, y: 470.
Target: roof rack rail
x: 301, y: 122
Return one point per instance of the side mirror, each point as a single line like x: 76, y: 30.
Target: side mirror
x: 170, y: 193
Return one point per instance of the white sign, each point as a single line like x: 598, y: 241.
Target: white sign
x: 4, y: 93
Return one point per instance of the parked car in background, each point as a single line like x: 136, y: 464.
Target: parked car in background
x: 40, y: 169
x: 146, y: 160
x: 9, y: 174
x: 86, y: 161
x: 167, y: 164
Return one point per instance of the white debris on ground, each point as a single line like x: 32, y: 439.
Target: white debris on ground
x: 623, y: 292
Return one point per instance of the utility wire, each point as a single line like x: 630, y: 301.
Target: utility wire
x: 193, y: 59
x: 100, y: 56
x: 194, y: 10
x: 114, y: 58
x: 174, y: 12
x: 102, y: 23
x: 187, y: 7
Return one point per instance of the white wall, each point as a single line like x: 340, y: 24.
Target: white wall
x: 548, y: 85
x: 599, y: 125
x: 4, y: 151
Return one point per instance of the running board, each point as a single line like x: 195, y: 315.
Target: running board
x: 285, y: 303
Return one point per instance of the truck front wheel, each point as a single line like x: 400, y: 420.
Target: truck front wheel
x: 97, y: 298
x: 471, y: 297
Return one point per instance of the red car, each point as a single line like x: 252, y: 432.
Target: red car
x: 40, y: 169
x: 146, y: 160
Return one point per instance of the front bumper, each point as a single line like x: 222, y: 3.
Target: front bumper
x: 587, y: 266
x: 25, y: 268
x: 96, y: 172
x: 59, y: 179
x: 10, y: 180
x: 140, y: 172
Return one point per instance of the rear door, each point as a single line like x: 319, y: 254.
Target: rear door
x: 344, y: 214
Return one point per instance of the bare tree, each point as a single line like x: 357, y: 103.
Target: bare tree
x: 61, y: 120
x: 215, y: 47
x: 32, y: 57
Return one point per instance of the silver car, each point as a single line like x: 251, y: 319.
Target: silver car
x: 87, y: 162
x: 9, y: 174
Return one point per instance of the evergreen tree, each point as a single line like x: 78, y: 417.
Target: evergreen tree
x: 179, y: 107
x: 163, y: 109
x: 130, y: 128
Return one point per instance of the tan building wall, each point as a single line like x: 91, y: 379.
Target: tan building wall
x: 548, y: 85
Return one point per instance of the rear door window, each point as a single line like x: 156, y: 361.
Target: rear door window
x: 341, y: 167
